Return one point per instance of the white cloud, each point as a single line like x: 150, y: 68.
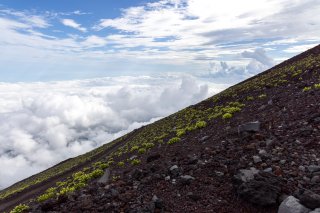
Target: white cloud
x: 299, y: 48
x: 163, y: 35
x: 73, y: 24
x: 44, y: 123
x: 228, y: 72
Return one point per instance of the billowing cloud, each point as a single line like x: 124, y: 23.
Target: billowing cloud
x: 72, y: 23
x: 224, y: 72
x: 44, y: 123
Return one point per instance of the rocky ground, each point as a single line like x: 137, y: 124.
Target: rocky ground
x: 264, y: 159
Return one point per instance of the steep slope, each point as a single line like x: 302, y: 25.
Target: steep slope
x: 195, y: 159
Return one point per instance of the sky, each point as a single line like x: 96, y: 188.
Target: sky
x: 77, y: 74
x: 59, y: 40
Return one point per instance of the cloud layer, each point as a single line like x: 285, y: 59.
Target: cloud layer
x: 44, y: 123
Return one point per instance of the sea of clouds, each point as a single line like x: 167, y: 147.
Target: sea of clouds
x: 43, y: 123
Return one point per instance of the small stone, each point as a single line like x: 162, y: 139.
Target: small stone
x: 283, y: 162
x: 256, y: 159
x: 219, y: 174
x: 306, y: 131
x: 187, y: 177
x: 193, y: 196
x: 292, y: 205
x: 302, y: 168
x: 158, y: 203
x: 269, y: 142
x: 167, y: 178
x: 173, y: 167
x: 269, y: 170
x: 306, y: 179
x: 204, y: 138
x: 174, y: 170
x: 315, y: 179
x: 313, y: 168
x: 263, y: 152
x: 133, y: 157
x: 251, y: 146
x: 277, y: 171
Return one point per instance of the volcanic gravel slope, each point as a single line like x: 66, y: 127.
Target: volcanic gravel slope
x: 197, y: 173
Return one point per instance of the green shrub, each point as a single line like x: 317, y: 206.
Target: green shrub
x: 227, y: 115
x: 135, y: 161
x: 121, y: 164
x: 262, y: 96
x: 134, y: 148
x: 99, y: 165
x: 50, y: 193
x: 66, y: 190
x: 306, y: 89
x: 190, y: 128
x: 181, y: 132
x: 250, y: 98
x: 317, y: 86
x: 20, y: 208
x: 231, y: 110
x: 201, y: 124
x: 142, y: 151
x: 296, y: 73
x: 96, y: 173
x: 174, y: 140
x: 148, y: 145
x: 80, y: 177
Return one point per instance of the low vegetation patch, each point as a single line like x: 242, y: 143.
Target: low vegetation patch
x: 121, y: 164
x: 20, y: 208
x: 262, y: 96
x: 174, y: 140
x: 227, y: 116
x: 201, y: 124
x: 135, y: 162
x: 306, y: 89
x: 250, y: 98
x: 142, y: 151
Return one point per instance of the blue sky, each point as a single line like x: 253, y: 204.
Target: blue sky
x: 221, y: 40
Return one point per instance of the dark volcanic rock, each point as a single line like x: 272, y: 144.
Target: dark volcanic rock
x: 249, y: 127
x: 105, y: 178
x: 292, y: 205
x: 310, y: 199
x: 153, y: 157
x: 264, y: 189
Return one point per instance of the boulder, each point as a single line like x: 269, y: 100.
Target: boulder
x: 105, y: 177
x: 310, y: 199
x: 249, y: 127
x: 186, y: 179
x: 292, y: 205
x: 245, y: 175
x: 263, y: 190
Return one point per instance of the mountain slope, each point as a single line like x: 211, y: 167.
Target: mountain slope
x: 187, y: 162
